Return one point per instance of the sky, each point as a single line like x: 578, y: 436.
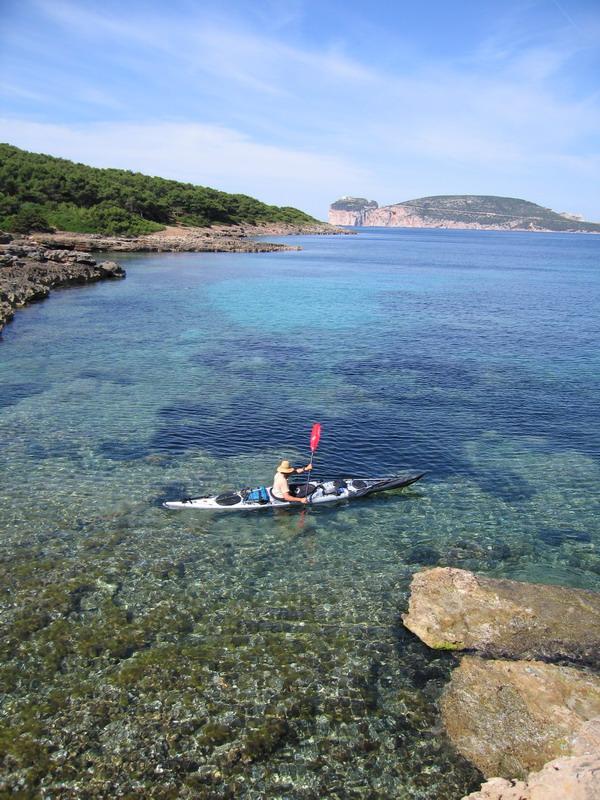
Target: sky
x: 298, y: 102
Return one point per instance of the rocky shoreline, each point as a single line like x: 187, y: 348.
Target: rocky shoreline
x: 28, y: 272
x: 31, y: 266
x: 524, y: 705
x: 217, y: 239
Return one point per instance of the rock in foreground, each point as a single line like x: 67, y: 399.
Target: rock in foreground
x: 511, y: 717
x: 575, y: 778
x: 454, y: 609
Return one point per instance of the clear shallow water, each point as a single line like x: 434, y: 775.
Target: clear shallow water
x: 471, y: 355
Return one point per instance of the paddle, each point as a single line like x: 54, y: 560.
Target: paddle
x: 315, y: 436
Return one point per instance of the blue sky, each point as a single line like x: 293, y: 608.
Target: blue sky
x: 297, y: 103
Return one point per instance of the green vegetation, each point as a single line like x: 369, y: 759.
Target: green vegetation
x: 39, y: 192
x: 353, y: 204
x: 493, y: 210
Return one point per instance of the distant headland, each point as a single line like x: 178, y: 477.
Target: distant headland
x: 479, y: 212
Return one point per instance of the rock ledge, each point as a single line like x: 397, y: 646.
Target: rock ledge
x: 29, y: 271
x: 456, y: 610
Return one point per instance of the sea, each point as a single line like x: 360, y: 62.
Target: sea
x: 191, y: 654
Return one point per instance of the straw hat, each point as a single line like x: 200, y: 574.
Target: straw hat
x: 285, y: 467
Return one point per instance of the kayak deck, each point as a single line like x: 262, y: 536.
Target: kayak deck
x: 317, y: 492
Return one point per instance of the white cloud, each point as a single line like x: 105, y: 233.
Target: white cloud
x: 210, y: 43
x: 256, y: 111
x: 13, y: 90
x: 202, y: 154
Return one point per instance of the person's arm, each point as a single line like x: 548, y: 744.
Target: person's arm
x: 291, y: 499
x: 307, y: 468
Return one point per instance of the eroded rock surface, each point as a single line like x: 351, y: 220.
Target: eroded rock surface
x: 576, y: 778
x: 511, y: 717
x: 29, y: 271
x: 173, y: 239
x: 455, y: 609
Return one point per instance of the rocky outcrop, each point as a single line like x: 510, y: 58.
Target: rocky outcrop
x: 576, y: 778
x: 29, y: 271
x: 511, y: 717
x: 30, y: 267
x: 455, y: 609
x: 351, y: 211
x: 217, y: 239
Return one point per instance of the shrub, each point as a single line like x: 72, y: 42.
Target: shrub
x: 30, y: 217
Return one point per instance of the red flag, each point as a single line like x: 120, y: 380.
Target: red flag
x: 315, y: 435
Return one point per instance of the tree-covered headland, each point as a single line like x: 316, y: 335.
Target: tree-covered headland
x: 39, y: 192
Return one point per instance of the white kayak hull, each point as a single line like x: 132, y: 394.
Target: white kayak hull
x: 319, y: 492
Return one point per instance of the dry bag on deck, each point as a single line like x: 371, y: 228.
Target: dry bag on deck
x: 259, y: 495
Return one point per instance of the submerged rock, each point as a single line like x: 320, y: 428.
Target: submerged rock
x: 555, y: 537
x: 423, y: 554
x: 457, y: 610
x: 511, y: 717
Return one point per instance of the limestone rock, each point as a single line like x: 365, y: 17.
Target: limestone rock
x: 587, y: 740
x: 29, y: 271
x: 241, y: 238
x: 350, y: 210
x: 455, y: 609
x: 110, y: 269
x: 511, y: 717
x: 576, y: 778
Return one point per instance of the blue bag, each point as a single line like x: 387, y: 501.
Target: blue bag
x: 259, y: 495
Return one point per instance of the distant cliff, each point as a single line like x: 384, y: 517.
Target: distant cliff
x: 351, y: 210
x: 481, y: 212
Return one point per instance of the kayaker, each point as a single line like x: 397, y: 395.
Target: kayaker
x: 281, y: 489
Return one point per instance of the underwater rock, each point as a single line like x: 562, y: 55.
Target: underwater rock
x: 576, y: 778
x: 555, y: 537
x: 423, y: 554
x: 456, y: 610
x: 511, y: 717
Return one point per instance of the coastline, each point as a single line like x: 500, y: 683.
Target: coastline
x: 28, y: 272
x: 467, y: 226
x: 175, y: 239
x: 30, y: 266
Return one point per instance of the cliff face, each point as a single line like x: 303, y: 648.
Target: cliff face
x: 479, y: 212
x: 352, y: 211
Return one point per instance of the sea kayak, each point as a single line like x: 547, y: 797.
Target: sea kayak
x: 317, y: 492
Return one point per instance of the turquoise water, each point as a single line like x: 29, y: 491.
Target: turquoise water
x: 472, y: 355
